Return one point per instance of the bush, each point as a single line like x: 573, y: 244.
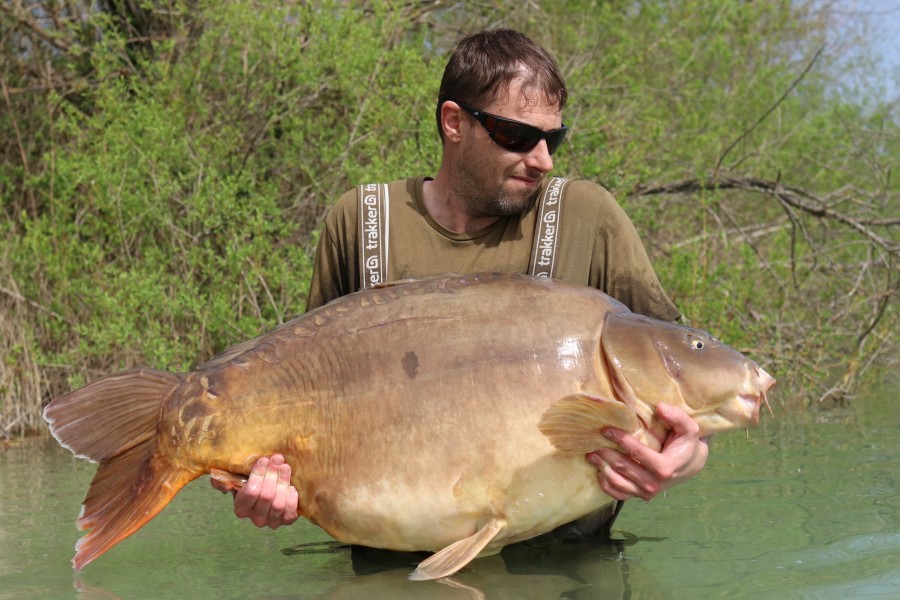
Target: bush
x: 170, y: 163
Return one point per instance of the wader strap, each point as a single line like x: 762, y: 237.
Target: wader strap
x: 373, y: 234
x: 546, y: 230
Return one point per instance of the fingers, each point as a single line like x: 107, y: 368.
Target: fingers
x: 245, y: 501
x: 617, y: 479
x: 291, y: 508
x: 268, y: 499
x: 621, y: 477
x: 639, y: 453
x: 635, y: 470
x: 282, y: 511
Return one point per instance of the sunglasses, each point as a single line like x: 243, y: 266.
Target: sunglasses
x: 515, y: 136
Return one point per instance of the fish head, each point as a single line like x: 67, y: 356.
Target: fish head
x: 652, y: 361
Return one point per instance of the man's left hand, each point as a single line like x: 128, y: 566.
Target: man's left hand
x: 638, y: 471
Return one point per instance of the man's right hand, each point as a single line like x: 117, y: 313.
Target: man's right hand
x: 268, y: 499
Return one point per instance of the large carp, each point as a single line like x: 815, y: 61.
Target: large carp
x: 450, y: 414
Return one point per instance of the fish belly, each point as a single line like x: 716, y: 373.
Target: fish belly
x: 454, y: 504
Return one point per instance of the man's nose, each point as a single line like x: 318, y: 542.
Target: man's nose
x: 539, y: 158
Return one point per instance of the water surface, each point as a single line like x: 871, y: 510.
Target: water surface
x: 806, y: 506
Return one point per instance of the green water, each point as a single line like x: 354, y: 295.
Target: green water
x: 807, y: 506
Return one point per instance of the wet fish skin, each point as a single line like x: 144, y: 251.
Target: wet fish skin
x: 421, y: 416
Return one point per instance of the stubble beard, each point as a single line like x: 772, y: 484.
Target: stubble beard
x: 468, y: 180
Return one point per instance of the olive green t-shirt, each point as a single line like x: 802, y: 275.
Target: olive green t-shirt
x: 597, y: 246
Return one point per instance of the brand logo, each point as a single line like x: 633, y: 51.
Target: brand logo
x: 373, y: 269
x: 547, y: 230
x: 373, y: 234
x: 371, y: 229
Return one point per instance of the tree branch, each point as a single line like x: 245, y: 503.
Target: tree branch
x: 789, y: 196
x: 768, y: 112
x: 17, y: 12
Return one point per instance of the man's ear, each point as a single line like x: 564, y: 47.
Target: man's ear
x: 451, y: 121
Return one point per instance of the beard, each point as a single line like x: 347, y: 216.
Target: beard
x: 469, y: 177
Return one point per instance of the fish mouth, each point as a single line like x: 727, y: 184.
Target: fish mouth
x: 753, y: 402
x: 740, y: 412
x: 744, y: 407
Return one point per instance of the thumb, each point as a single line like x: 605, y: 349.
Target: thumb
x: 677, y: 419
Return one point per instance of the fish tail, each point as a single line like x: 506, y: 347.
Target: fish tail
x: 115, y: 421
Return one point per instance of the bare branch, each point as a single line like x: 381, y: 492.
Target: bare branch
x: 18, y: 297
x: 17, y: 12
x: 769, y: 111
x: 790, y: 196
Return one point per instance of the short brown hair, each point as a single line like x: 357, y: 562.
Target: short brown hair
x: 485, y: 62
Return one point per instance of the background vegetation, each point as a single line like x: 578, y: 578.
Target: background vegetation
x: 164, y: 167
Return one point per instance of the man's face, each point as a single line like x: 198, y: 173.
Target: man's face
x: 491, y: 180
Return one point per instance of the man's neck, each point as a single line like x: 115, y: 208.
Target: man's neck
x: 447, y: 209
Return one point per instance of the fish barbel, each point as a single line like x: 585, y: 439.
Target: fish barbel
x: 450, y: 414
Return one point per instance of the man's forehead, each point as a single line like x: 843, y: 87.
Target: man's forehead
x: 527, y: 98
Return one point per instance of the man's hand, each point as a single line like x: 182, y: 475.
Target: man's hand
x: 638, y: 471
x: 268, y: 498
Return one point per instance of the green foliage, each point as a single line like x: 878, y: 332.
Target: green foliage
x: 178, y: 219
x: 162, y: 194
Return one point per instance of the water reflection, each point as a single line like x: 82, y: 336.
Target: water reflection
x: 572, y: 569
x: 555, y: 569
x: 569, y: 569
x: 807, y: 506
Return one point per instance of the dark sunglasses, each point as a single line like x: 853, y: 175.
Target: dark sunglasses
x: 515, y: 136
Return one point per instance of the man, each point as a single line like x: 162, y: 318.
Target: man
x: 499, y: 115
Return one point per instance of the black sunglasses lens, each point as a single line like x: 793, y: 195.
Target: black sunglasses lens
x: 555, y: 139
x: 515, y: 136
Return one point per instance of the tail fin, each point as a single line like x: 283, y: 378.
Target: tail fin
x: 114, y: 421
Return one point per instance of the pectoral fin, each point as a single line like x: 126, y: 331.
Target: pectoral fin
x: 232, y: 479
x: 458, y: 554
x: 573, y: 424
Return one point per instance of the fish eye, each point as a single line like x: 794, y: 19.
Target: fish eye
x: 697, y: 344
